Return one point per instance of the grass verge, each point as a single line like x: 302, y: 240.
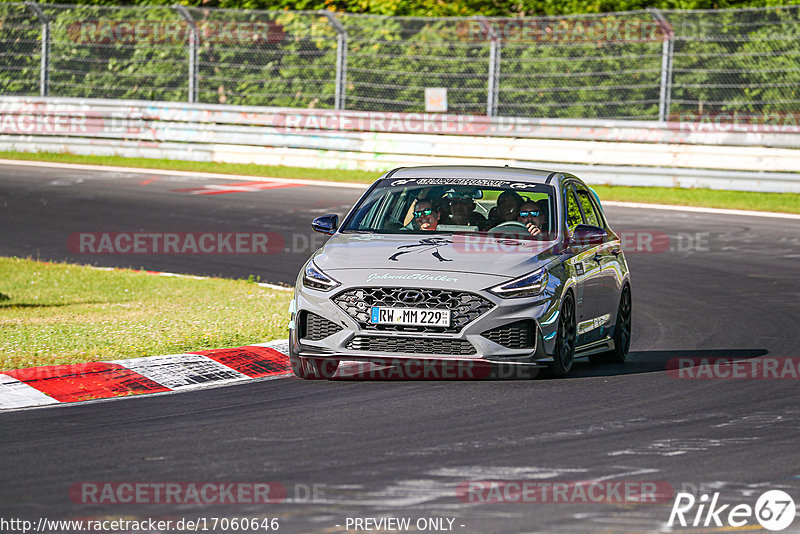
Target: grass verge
x: 59, y: 313
x: 709, y: 198
x: 706, y: 198
x: 267, y: 171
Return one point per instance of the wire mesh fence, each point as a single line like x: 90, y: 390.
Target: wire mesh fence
x: 20, y: 50
x: 737, y: 60
x: 648, y: 65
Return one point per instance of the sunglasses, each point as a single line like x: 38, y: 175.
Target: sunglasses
x: 423, y: 213
x: 529, y: 213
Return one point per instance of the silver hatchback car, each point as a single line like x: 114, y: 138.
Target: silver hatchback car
x: 488, y: 264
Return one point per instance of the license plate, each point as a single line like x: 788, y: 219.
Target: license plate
x: 410, y: 316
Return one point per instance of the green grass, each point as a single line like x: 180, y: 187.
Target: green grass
x: 58, y: 313
x: 268, y: 171
x: 711, y: 198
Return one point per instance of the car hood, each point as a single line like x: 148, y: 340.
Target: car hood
x: 442, y: 257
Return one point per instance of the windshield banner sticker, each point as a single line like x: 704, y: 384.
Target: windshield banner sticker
x: 463, y: 181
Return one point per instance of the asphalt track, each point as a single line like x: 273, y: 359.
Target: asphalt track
x: 726, y: 285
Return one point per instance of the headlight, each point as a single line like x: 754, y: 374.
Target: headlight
x: 524, y: 286
x: 315, y: 279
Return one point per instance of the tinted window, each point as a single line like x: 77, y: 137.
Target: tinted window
x: 589, y: 210
x: 450, y: 205
x: 573, y: 212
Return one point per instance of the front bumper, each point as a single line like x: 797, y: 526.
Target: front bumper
x: 350, y: 340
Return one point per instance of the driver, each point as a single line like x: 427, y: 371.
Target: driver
x: 507, y: 208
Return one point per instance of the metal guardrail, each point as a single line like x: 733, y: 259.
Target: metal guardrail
x: 615, y: 152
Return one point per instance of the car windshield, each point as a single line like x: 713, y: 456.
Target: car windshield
x: 452, y: 205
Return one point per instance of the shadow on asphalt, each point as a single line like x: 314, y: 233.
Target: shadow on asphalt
x: 638, y: 362
x: 649, y: 361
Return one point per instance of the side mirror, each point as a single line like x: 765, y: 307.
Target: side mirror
x: 326, y: 224
x: 586, y: 234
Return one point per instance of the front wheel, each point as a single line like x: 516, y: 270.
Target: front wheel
x: 622, y: 332
x: 564, y: 355
x: 310, y: 368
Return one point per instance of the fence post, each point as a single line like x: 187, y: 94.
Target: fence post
x: 667, y: 48
x: 44, y: 71
x: 194, y: 37
x: 340, y: 91
x: 493, y: 85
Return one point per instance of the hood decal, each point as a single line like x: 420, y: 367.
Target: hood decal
x: 427, y: 244
x: 411, y: 276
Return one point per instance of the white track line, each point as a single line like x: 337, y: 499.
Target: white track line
x: 321, y: 183
x: 698, y: 209
x: 191, y: 174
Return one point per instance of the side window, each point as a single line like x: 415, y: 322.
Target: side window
x: 365, y: 215
x: 378, y: 212
x: 601, y: 218
x: 588, y: 208
x: 573, y: 212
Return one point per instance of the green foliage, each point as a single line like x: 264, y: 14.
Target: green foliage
x: 21, y: 57
x: 437, y: 8
x: 576, y: 67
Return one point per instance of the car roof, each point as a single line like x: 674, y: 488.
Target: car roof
x: 519, y: 174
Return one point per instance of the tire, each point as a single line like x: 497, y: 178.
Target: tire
x: 310, y: 368
x: 622, y: 332
x: 564, y: 355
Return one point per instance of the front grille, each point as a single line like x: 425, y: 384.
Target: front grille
x: 412, y: 345
x: 516, y: 335
x: 464, y: 307
x: 313, y: 327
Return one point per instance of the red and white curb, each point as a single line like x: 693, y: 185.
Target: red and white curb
x: 56, y: 384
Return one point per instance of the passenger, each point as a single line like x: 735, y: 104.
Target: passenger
x: 426, y: 216
x: 507, y: 208
x: 462, y: 212
x: 532, y: 215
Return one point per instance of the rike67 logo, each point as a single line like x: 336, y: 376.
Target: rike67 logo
x: 774, y: 510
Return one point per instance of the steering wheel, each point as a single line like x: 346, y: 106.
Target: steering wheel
x: 510, y: 225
